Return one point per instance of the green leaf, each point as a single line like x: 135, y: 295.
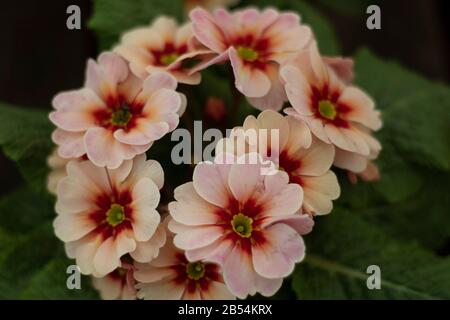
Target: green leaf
x: 22, y: 210
x: 32, y: 260
x: 416, y: 112
x: 341, y: 248
x: 113, y: 17
x: 25, y: 138
x: 422, y: 217
x: 50, y: 283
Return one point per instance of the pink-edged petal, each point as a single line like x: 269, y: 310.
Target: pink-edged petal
x: 191, y: 209
x: 158, y: 81
x: 144, y: 133
x: 138, y: 57
x: 144, y: 37
x: 109, y: 287
x: 70, y: 144
x: 286, y: 35
x: 361, y: 106
x: 343, y: 67
x: 302, y: 223
x: 93, y: 179
x: 166, y: 28
x: 147, y: 250
x: 106, y: 258
x: 275, y: 124
x: 238, y: 273
x: 209, y: 60
x: 146, y: 273
x: 276, y: 257
x: 360, y: 144
x: 162, y: 102
x: 275, y: 98
x: 124, y: 243
x: 146, y: 197
x: 207, y: 31
x: 319, y: 191
x: 103, y: 77
x: 84, y: 251
x: 299, y: 135
x: 252, y: 82
x: 316, y: 160
x: 105, y: 151
x: 143, y: 168
x: 267, y: 287
x: 350, y: 161
x: 298, y: 90
x: 216, y: 252
x: 211, y: 182
x: 320, y: 69
x: 243, y: 189
x: 192, y: 295
x: 197, y: 237
x: 161, y: 290
x: 71, y: 227
x: 74, y: 110
x: 217, y: 291
x: 73, y: 197
x: 281, y: 198
x: 338, y: 138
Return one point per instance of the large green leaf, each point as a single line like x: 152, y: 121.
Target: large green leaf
x: 25, y: 138
x: 113, y: 17
x: 32, y: 260
x: 50, y: 283
x: 341, y: 248
x: 416, y: 112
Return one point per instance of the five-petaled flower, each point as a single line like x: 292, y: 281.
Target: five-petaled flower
x: 104, y: 214
x: 116, y: 116
x: 163, y: 46
x: 247, y: 225
x: 171, y: 276
x: 288, y: 143
x: 335, y: 111
x: 256, y: 43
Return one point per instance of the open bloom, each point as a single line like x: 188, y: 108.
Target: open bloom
x: 116, y: 116
x: 256, y: 42
x: 337, y: 113
x: 104, y: 214
x: 306, y: 160
x: 247, y: 223
x: 117, y: 285
x: 163, y: 46
x: 172, y: 277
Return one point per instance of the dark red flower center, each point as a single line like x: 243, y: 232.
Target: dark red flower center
x: 242, y: 223
x: 113, y: 214
x: 252, y: 51
x: 195, y: 275
x: 326, y: 106
x: 290, y: 165
x: 168, y: 54
x: 119, y: 114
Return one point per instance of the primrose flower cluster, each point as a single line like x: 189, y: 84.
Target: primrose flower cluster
x: 230, y: 231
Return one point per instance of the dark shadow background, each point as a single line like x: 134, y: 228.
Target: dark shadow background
x: 39, y: 56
